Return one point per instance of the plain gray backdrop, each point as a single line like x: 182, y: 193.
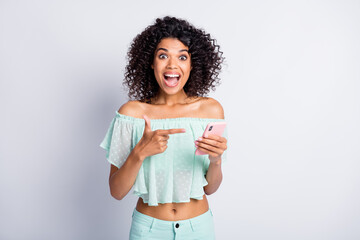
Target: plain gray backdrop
x: 290, y: 91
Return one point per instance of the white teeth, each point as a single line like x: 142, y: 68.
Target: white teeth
x: 171, y: 75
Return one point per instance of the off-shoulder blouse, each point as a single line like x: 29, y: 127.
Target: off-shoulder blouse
x: 177, y: 174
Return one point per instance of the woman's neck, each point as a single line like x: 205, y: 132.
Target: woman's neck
x: 170, y: 100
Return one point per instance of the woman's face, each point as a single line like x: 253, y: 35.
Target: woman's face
x: 172, y: 65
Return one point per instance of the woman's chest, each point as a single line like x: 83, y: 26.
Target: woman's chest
x: 194, y: 110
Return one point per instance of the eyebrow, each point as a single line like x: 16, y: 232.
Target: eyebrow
x: 182, y: 50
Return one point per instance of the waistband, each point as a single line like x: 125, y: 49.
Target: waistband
x: 151, y: 221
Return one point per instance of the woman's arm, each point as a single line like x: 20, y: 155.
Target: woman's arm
x: 214, y: 146
x: 122, y: 179
x: 213, y: 177
x: 152, y: 142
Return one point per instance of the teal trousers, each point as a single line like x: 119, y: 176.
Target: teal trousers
x: 146, y: 227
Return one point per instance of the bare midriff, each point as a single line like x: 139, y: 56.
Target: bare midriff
x: 174, y: 211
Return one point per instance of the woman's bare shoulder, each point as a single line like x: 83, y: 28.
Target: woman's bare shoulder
x: 132, y: 108
x: 212, y: 108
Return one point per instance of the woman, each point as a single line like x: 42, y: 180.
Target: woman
x: 150, y: 142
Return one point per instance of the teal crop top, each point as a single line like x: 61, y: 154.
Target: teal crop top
x: 177, y: 174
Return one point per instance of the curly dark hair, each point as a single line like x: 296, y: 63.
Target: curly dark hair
x: 206, y: 59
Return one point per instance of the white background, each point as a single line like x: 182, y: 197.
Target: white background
x: 290, y: 90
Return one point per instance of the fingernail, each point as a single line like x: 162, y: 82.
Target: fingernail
x: 183, y: 130
x: 200, y: 138
x: 196, y: 143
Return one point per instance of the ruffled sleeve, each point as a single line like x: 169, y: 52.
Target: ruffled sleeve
x: 118, y: 141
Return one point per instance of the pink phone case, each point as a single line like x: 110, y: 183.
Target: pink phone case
x: 216, y: 128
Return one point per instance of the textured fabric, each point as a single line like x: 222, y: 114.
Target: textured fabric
x: 149, y: 228
x: 177, y: 174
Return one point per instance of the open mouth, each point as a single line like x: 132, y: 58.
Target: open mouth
x: 171, y: 80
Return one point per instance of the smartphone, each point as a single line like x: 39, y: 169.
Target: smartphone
x: 216, y: 128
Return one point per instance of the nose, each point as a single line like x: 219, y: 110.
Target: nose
x: 171, y: 63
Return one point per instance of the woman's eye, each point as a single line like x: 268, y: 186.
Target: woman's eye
x: 163, y: 56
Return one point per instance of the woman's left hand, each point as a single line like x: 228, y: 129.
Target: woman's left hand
x: 213, y: 145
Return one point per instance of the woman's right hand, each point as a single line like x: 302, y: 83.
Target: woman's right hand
x: 154, y: 142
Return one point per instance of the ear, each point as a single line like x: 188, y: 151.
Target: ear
x: 152, y: 66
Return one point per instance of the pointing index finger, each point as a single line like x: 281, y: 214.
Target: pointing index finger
x: 171, y: 131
